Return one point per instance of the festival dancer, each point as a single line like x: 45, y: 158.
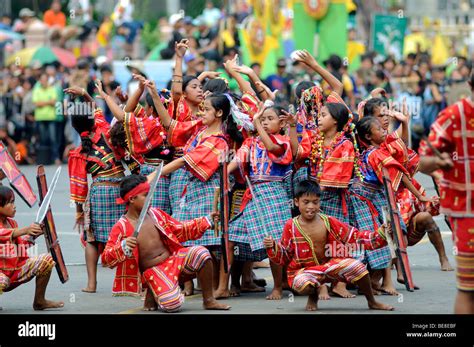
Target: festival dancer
x: 16, y: 267
x: 96, y: 209
x: 451, y: 134
x: 304, y: 247
x: 266, y: 160
x: 375, y: 156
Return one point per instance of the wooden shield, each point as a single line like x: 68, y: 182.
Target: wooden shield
x: 50, y: 235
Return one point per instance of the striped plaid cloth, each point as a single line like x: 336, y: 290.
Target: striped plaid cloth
x: 104, y: 211
x: 268, y: 215
x: 243, y: 252
x: 332, y: 203
x: 361, y: 217
x: 177, y: 183
x: 196, y: 202
x: 161, y: 198
x: 300, y: 175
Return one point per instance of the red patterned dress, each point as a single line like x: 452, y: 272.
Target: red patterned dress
x: 453, y: 132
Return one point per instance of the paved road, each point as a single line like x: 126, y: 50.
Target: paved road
x: 436, y: 294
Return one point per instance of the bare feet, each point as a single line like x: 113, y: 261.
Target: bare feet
x: 45, y: 304
x: 150, y: 303
x: 312, y: 304
x: 188, y: 288
x: 276, y: 294
x: 251, y: 288
x: 221, y: 293
x: 390, y: 290
x: 89, y: 290
x: 212, y: 304
x: 445, y: 265
x: 150, y: 308
x: 340, y: 290
x: 323, y: 294
x: 375, y: 305
x: 234, y: 291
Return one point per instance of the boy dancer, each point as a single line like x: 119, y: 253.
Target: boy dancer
x: 162, y: 259
x: 16, y: 267
x: 316, y: 248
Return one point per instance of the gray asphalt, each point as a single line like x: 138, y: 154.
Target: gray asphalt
x: 436, y: 296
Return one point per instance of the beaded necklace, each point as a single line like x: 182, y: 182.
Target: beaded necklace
x: 317, y: 148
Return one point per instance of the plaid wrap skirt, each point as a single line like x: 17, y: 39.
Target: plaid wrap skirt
x: 161, y: 198
x: 334, y: 203
x: 104, y: 211
x: 365, y: 213
x: 196, y: 200
x: 268, y: 215
x: 177, y: 183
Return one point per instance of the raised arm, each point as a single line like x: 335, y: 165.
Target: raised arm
x: 208, y: 74
x: 292, y: 122
x: 163, y: 114
x: 230, y: 66
x: 76, y: 91
x: 306, y: 58
x: 113, y: 106
x: 135, y: 98
x: 262, y: 91
x: 177, y: 80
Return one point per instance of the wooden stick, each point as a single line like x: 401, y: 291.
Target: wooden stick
x: 215, y: 208
x: 435, y: 150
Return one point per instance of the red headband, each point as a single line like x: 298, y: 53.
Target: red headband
x: 141, y: 188
x: 85, y: 133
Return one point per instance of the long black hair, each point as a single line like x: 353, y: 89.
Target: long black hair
x: 221, y: 102
x: 363, y: 130
x: 118, y: 138
x: 150, y: 103
x: 6, y: 195
x: 216, y: 86
x: 83, y: 122
x: 188, y: 79
x: 340, y: 113
x: 372, y: 104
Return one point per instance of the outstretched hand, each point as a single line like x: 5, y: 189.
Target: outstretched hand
x: 268, y: 241
x: 256, y: 116
x: 100, y: 90
x: 123, y: 97
x: 271, y: 94
x: 243, y: 69
x: 76, y: 91
x: 140, y: 78
x: 305, y: 57
x: 181, y: 47
x: 289, y: 118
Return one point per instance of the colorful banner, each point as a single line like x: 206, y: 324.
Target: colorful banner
x: 388, y: 35
x: 321, y: 37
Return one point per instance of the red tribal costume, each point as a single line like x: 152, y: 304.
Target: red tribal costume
x: 163, y: 279
x: 296, y: 250
x: 453, y: 132
x: 127, y: 279
x: 16, y: 267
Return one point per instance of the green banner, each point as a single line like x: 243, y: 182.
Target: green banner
x: 333, y: 32
x: 329, y: 33
x: 388, y: 35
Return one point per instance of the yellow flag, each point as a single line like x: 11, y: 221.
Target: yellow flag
x: 440, y: 51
